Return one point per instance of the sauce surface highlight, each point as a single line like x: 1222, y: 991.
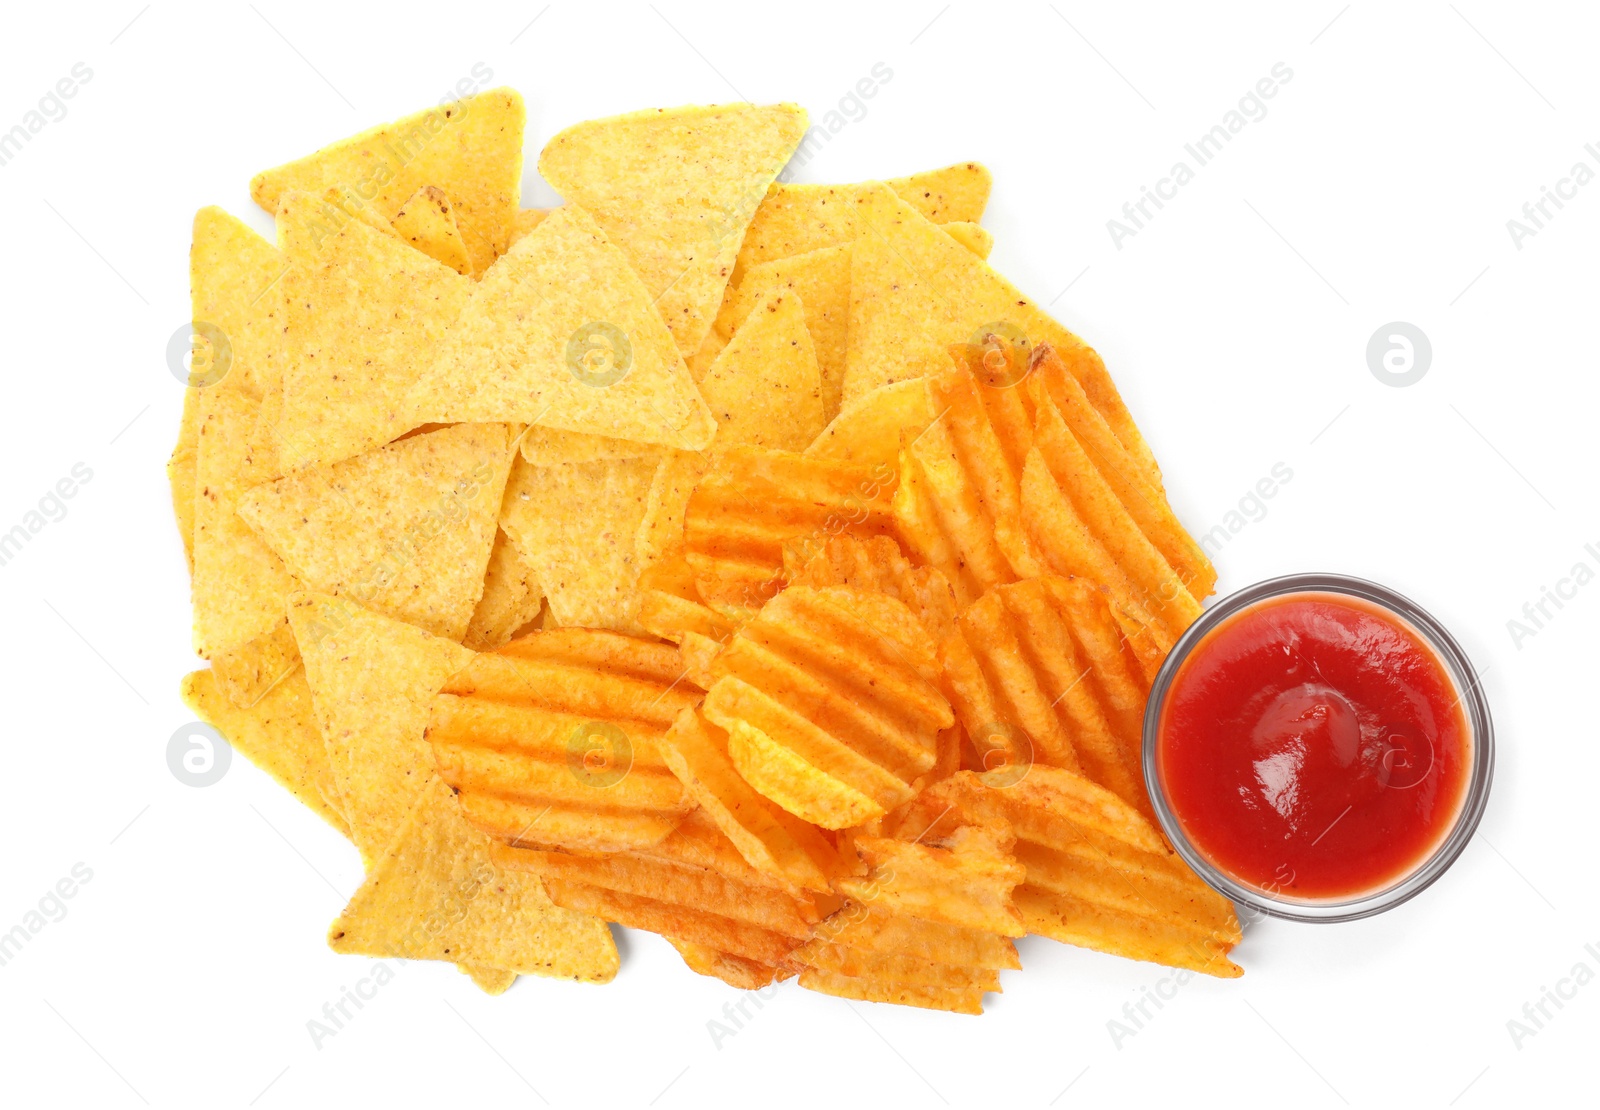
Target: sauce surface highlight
x: 1313, y: 746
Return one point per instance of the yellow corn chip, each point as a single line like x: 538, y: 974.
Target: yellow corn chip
x: 869, y: 432
x: 548, y: 446
x: 764, y: 388
x: 233, y: 286
x: 248, y: 671
x: 470, y: 148
x: 821, y: 279
x: 180, y: 472
x: 528, y: 219
x: 915, y: 291
x: 976, y: 239
x: 576, y: 524
x: 795, y: 219
x: 675, y: 189
x: 372, y: 682
x: 405, y: 530
x: 511, y: 597
x: 435, y: 894
x: 278, y: 734
x: 240, y: 585
x: 427, y: 221
x: 561, y: 332
x: 666, y: 504
x: 365, y: 314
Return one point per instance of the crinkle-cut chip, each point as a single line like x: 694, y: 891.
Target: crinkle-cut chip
x: 233, y: 286
x: 1044, y: 666
x: 764, y: 388
x: 577, y: 525
x: 436, y: 894
x: 877, y: 564
x: 693, y: 888
x: 471, y: 148
x: 511, y: 598
x: 246, y: 672
x: 871, y: 431
x: 278, y: 734
x: 771, y: 840
x: 427, y: 221
x: 794, y: 219
x: 365, y: 314
x: 756, y: 503
x: 561, y: 333
x: 526, y: 220
x: 553, y: 740
x: 1076, y: 522
x: 915, y: 290
x: 240, y: 584
x: 736, y: 971
x: 404, y: 530
x: 675, y: 189
x: 373, y: 680
x: 1099, y: 875
x: 1148, y: 642
x: 543, y: 446
x: 829, y: 700
x: 930, y: 922
x: 181, y: 472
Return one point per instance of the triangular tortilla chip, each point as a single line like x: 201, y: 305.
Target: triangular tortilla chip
x: 428, y: 222
x: 577, y: 525
x: 365, y: 314
x: 278, y: 734
x: 560, y: 332
x: 404, y: 530
x: 372, y: 683
x: 470, y: 148
x: 233, y: 286
x: 240, y: 585
x: 511, y: 598
x: 764, y: 388
x: 548, y: 446
x: 914, y: 291
x: 675, y: 189
x: 795, y: 219
x: 435, y: 894
x: 528, y: 219
x: 978, y: 240
x: 181, y: 469
x: 870, y: 432
x: 821, y: 278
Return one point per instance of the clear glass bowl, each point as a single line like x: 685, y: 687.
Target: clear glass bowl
x: 1480, y: 745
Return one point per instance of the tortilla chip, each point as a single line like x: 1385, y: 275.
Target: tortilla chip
x: 870, y: 431
x: 240, y: 585
x: 527, y: 219
x: 278, y: 734
x: 796, y: 219
x: 976, y: 239
x: 428, y: 222
x: 365, y: 314
x: 435, y: 894
x: 675, y: 189
x: 664, y: 507
x: 576, y: 524
x: 511, y: 598
x: 560, y: 332
x: 764, y: 388
x: 914, y: 291
x: 180, y: 472
x: 404, y: 530
x: 372, y: 682
x: 470, y: 148
x: 821, y: 279
x: 233, y: 286
x: 549, y: 446
x: 245, y: 673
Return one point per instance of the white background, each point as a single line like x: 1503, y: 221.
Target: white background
x: 1377, y: 189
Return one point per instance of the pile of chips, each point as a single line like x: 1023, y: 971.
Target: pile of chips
x: 743, y: 561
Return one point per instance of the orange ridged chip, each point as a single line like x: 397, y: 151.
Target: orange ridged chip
x: 470, y: 148
x: 830, y: 701
x: 929, y: 924
x: 1043, y: 665
x: 771, y: 840
x: 693, y: 888
x: 1099, y: 875
x: 756, y: 504
x: 553, y: 740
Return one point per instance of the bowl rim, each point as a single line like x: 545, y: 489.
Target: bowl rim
x: 1475, y: 707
